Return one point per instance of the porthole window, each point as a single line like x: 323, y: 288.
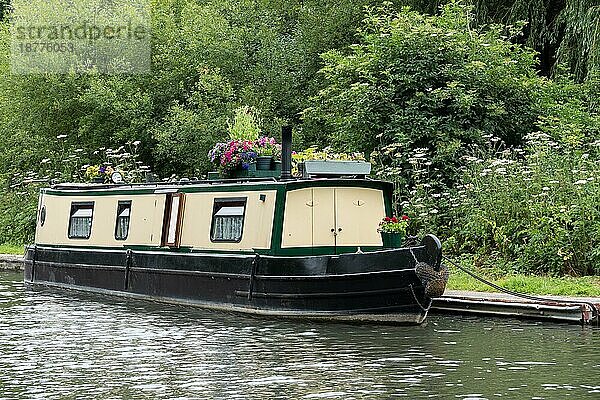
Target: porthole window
x: 43, y: 216
x: 80, y: 221
x: 123, y: 218
x: 228, y: 220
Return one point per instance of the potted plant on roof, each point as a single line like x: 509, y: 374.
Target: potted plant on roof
x: 98, y: 173
x: 393, y: 230
x: 313, y: 161
x: 233, y: 158
x: 268, y: 151
x: 237, y: 156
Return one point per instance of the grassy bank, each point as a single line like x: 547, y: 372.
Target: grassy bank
x: 11, y: 249
x: 587, y: 286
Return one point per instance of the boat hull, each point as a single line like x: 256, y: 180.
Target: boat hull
x: 378, y: 286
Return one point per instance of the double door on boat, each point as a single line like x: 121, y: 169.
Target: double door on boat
x: 333, y: 217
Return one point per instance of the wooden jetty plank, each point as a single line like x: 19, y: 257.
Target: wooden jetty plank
x: 500, y: 304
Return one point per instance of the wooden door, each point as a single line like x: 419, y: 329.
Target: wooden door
x: 173, y: 219
x: 358, y: 213
x: 323, y: 207
x: 298, y: 221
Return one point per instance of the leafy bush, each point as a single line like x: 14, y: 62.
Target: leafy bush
x: 418, y: 83
x: 18, y: 215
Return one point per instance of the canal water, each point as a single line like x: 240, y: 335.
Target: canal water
x: 59, y: 344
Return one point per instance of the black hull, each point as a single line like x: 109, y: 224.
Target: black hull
x: 378, y: 286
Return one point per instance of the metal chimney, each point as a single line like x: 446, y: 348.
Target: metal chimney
x: 286, y: 152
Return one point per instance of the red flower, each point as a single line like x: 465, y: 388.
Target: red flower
x: 394, y: 219
x: 405, y: 218
x: 387, y: 219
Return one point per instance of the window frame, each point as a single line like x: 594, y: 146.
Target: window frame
x: 119, y: 204
x: 167, y: 220
x: 221, y: 200
x: 76, y: 205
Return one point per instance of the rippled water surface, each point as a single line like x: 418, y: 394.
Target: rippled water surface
x: 59, y: 344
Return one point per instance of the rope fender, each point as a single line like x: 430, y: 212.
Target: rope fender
x: 434, y: 281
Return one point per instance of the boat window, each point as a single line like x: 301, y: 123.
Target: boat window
x: 80, y: 222
x: 123, y: 216
x: 228, y: 220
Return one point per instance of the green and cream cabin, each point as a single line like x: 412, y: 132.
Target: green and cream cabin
x: 283, y: 218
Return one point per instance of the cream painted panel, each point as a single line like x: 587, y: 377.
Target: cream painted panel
x: 323, y: 217
x: 298, y: 219
x: 258, y: 220
x: 141, y: 226
x: 358, y: 213
x: 158, y: 216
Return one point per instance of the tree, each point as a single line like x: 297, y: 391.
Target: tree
x: 425, y: 84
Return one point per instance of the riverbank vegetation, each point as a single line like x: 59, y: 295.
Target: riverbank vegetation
x: 11, y: 249
x: 484, y: 114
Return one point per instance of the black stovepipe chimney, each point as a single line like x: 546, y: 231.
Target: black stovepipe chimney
x: 286, y: 152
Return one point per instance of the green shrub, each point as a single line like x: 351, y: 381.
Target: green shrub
x: 18, y: 215
x: 418, y: 84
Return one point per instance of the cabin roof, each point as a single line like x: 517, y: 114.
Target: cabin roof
x: 246, y: 184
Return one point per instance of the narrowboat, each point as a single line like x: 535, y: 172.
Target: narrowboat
x: 280, y: 246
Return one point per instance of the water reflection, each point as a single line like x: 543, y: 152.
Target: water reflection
x: 58, y: 344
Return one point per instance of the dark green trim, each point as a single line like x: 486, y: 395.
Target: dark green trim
x: 230, y: 188
x: 96, y: 192
x: 361, y: 183
x: 387, y: 200
x: 325, y: 250
x: 292, y: 251
x: 277, y: 232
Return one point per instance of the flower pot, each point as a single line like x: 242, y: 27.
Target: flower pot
x: 239, y: 172
x: 391, y: 240
x: 264, y: 162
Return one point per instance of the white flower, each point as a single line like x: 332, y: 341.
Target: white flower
x: 61, y: 136
x: 581, y: 182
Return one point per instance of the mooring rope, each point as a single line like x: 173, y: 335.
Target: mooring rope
x: 417, y: 300
x: 526, y: 296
